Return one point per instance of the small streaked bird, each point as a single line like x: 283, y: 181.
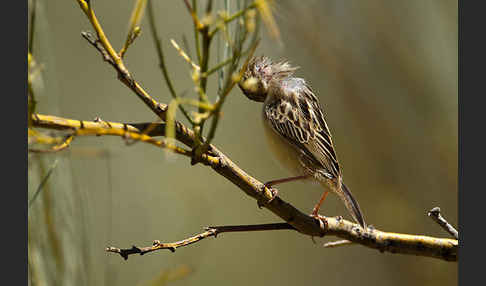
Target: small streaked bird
x: 296, y: 129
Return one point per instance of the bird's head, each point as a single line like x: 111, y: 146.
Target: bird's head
x: 258, y: 74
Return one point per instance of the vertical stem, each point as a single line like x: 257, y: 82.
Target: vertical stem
x: 160, y: 53
x: 31, y: 103
x: 209, y: 6
x: 196, y: 34
x: 203, y: 83
x: 225, y: 51
x: 32, y: 26
x: 205, y: 59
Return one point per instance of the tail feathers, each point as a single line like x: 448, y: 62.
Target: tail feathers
x: 351, y: 204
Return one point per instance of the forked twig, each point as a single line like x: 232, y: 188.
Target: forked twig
x: 210, y: 231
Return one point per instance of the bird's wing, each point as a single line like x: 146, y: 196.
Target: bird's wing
x: 295, y: 114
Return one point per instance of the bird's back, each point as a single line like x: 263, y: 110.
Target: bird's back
x: 293, y: 113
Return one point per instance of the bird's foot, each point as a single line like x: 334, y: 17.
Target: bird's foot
x: 315, y: 213
x: 320, y: 219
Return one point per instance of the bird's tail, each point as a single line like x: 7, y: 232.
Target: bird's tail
x: 351, y: 204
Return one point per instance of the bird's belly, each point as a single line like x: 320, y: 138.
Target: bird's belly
x: 284, y: 152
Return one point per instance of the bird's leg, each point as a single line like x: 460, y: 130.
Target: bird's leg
x: 318, y: 205
x: 274, y: 191
x: 269, y: 184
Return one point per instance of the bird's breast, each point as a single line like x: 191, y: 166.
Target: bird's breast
x: 285, y: 153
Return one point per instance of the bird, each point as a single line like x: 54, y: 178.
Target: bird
x: 296, y: 129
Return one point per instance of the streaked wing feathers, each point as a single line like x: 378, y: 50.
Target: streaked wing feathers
x: 298, y: 118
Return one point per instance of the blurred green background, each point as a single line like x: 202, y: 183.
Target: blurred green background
x: 386, y: 75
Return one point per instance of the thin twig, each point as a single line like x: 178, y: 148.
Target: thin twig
x: 183, y: 134
x: 170, y: 116
x: 42, y: 184
x: 197, y: 24
x: 65, y: 144
x: 134, y: 29
x: 438, y: 218
x: 196, y: 34
x: 203, y: 59
x: 101, y: 127
x: 157, y: 245
x: 87, y: 9
x: 31, y: 101
x: 131, y: 135
x: 127, y: 79
x: 209, y: 7
x: 160, y: 54
x: 146, y: 131
x: 102, y: 44
x: 218, y: 105
x: 206, y: 43
x: 185, y: 43
x: 250, y: 227
x: 132, y: 35
x: 233, y: 17
x: 184, y: 55
x: 225, y: 51
x: 210, y: 231
x: 217, y: 67
x: 230, y: 83
x: 32, y: 26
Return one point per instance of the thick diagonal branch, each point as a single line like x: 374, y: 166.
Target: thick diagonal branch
x: 441, y: 248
